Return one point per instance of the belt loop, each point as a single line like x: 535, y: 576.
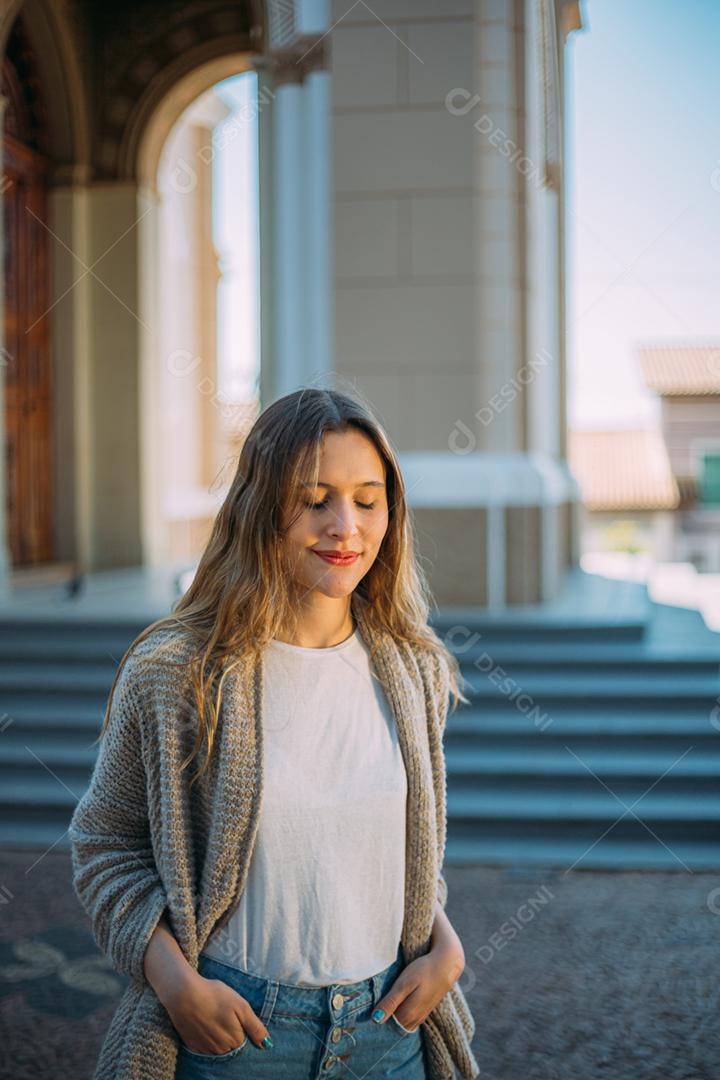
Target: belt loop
x: 268, y: 1005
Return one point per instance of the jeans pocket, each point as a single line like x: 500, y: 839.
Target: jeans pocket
x: 215, y: 1057
x: 406, y: 1031
x: 210, y: 968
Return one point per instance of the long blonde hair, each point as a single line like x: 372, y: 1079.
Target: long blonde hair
x: 242, y: 593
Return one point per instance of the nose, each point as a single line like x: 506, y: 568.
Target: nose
x: 343, y: 522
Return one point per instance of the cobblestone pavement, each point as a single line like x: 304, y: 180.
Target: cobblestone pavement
x: 591, y: 975
x: 570, y: 977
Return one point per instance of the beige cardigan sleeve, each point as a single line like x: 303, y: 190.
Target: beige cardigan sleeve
x: 114, y: 873
x: 437, y: 701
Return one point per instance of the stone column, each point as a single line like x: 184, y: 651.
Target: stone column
x: 70, y: 329
x: 295, y: 213
x: 449, y: 281
x: 115, y: 323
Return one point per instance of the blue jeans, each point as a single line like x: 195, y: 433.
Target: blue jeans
x: 317, y: 1032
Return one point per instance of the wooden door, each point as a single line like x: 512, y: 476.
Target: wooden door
x: 26, y: 359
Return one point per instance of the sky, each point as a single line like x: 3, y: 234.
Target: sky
x: 643, y: 197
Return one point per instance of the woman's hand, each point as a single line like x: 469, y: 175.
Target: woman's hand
x: 212, y: 1018
x: 422, y: 984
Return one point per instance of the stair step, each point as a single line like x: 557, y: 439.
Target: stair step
x: 662, y: 686
x: 72, y: 641
x: 40, y: 790
x: 457, y: 625
x: 633, y: 748
x: 564, y: 854
x: 32, y: 655
x: 600, y: 657
x: 50, y: 715
x: 27, y: 624
x: 56, y: 678
x: 34, y: 836
x: 607, y: 722
x: 520, y: 804
x: 519, y: 633
x: 561, y: 763
x: 67, y: 750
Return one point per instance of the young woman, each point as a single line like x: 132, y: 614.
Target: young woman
x: 280, y: 912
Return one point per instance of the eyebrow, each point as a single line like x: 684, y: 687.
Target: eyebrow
x: 365, y: 483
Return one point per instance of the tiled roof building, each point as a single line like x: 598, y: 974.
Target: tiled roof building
x: 623, y: 470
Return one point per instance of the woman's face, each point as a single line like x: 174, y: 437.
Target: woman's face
x: 347, y: 512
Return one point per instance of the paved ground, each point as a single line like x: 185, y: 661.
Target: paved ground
x: 570, y: 977
x: 591, y: 974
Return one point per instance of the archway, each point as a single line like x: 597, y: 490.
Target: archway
x: 103, y: 202
x: 196, y: 399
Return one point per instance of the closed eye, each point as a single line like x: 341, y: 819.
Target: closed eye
x: 320, y: 505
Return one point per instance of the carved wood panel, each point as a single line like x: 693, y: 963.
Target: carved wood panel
x: 27, y: 358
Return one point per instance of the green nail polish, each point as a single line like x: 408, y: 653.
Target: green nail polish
x: 378, y: 1015
x: 267, y: 1042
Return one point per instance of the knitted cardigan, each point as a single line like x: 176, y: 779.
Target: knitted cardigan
x: 144, y: 845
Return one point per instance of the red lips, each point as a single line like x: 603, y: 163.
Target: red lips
x: 339, y: 558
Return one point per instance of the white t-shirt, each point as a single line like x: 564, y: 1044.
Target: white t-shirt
x: 324, y: 898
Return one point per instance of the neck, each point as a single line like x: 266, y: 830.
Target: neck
x: 321, y: 625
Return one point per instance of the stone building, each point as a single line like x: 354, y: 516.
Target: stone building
x: 411, y: 239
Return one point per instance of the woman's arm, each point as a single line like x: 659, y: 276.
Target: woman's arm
x: 445, y: 944
x: 208, y: 1015
x: 443, y: 939
x: 114, y: 873
x: 423, y: 983
x: 165, y: 965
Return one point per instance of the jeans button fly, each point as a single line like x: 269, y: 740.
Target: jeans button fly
x: 338, y: 1001
x: 336, y: 1034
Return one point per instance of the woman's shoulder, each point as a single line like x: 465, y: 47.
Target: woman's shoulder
x: 171, y: 640
x: 432, y: 663
x: 160, y: 657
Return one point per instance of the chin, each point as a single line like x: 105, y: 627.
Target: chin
x: 332, y: 589
x: 334, y: 592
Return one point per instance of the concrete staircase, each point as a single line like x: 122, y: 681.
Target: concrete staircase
x: 590, y: 742
x: 55, y: 675
x: 580, y: 710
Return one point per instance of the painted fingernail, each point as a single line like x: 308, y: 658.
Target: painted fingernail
x: 378, y: 1015
x: 267, y: 1043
